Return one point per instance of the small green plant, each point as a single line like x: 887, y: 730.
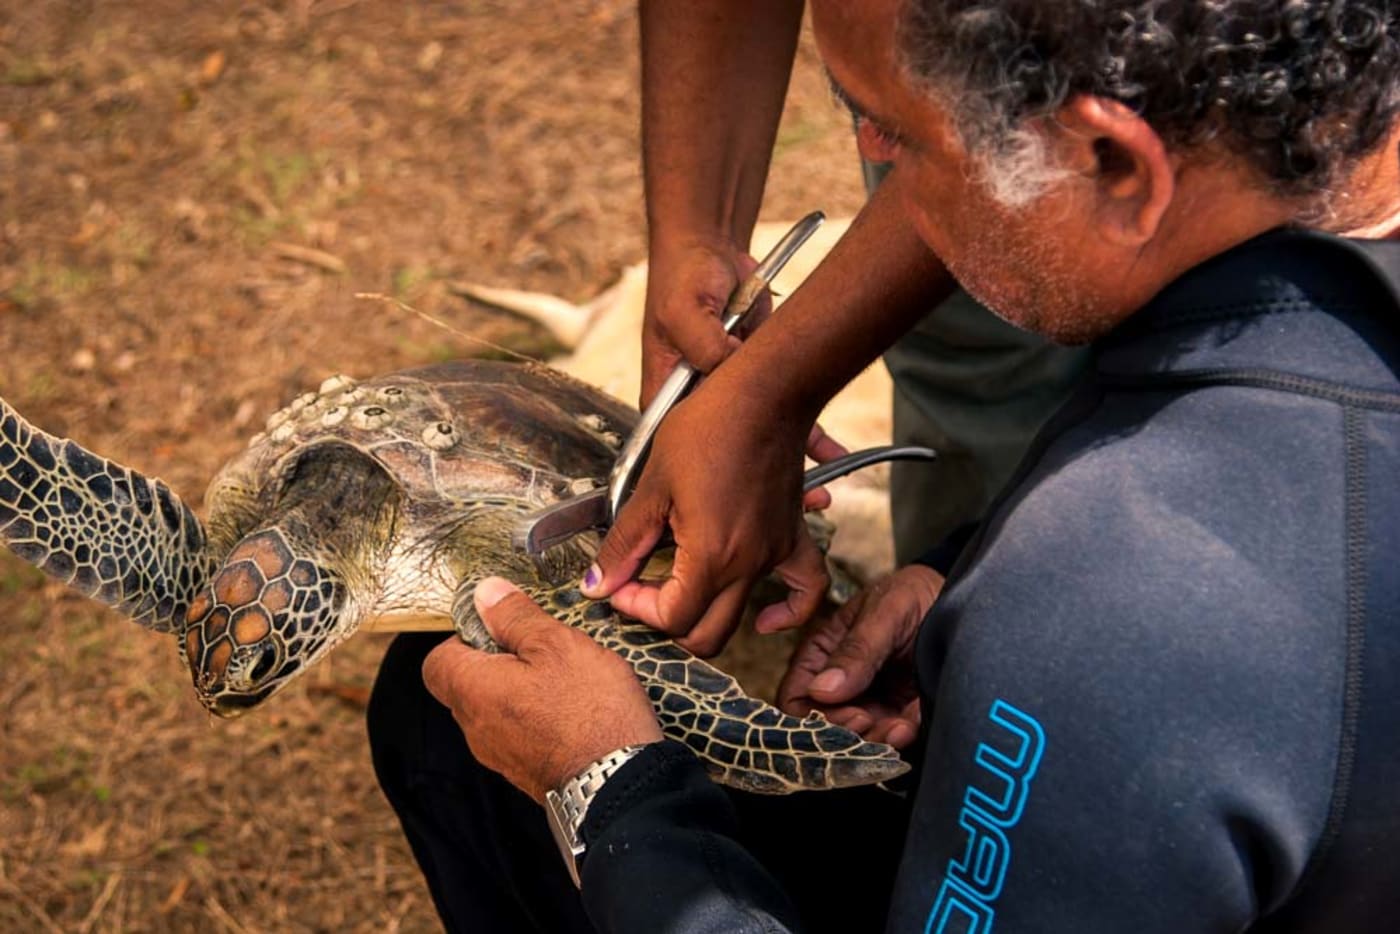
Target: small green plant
x: 430, y: 351
x: 26, y: 73
x: 16, y: 577
x: 797, y: 134
x: 21, y: 295
x: 255, y: 229
x: 41, y: 386
x: 285, y: 174
x: 39, y: 280
x: 409, y: 279
x: 134, y: 245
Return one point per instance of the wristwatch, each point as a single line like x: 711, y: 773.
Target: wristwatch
x: 567, y: 806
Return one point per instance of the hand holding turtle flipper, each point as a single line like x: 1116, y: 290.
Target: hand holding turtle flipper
x: 856, y: 666
x: 549, y: 703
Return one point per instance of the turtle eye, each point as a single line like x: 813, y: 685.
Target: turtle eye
x: 267, y: 657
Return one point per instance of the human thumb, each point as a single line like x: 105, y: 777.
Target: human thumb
x: 624, y: 550
x: 855, y: 662
x: 511, y: 617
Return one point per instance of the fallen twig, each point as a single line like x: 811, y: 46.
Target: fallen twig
x: 100, y: 903
x: 310, y: 257
x: 33, y: 907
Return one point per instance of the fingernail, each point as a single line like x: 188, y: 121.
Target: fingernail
x: 829, y: 680
x: 900, y: 735
x: 591, y: 579
x: 492, y: 591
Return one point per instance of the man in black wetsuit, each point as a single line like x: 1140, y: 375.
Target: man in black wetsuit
x: 1160, y: 689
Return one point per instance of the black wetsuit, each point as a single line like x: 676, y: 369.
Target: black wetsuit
x: 1161, y: 689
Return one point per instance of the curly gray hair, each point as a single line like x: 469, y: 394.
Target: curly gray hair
x: 1299, y: 87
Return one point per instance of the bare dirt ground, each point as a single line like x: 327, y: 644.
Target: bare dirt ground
x: 165, y: 167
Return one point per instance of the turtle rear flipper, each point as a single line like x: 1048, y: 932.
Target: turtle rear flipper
x: 104, y: 530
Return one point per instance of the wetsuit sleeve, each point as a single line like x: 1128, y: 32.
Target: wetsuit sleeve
x: 1138, y: 738
x: 662, y: 855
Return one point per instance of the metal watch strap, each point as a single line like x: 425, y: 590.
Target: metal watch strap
x: 567, y: 806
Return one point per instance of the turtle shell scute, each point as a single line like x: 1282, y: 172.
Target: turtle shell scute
x: 517, y: 432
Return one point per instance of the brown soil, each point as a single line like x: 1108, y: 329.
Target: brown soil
x: 164, y: 168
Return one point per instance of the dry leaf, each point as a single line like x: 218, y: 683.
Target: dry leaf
x: 177, y: 892
x: 429, y: 56
x: 91, y: 843
x: 212, y: 67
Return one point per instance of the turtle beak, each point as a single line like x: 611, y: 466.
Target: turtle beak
x: 234, y: 705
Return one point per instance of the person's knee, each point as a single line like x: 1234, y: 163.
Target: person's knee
x: 410, y: 734
x: 398, y: 691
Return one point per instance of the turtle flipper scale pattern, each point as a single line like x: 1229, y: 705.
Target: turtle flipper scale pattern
x: 104, y: 530
x: 745, y: 743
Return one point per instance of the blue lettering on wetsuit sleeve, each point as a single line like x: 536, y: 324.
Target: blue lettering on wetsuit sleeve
x: 972, y: 882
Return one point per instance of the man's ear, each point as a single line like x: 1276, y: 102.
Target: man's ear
x: 1105, y: 142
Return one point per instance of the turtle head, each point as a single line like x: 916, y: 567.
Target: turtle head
x: 268, y: 613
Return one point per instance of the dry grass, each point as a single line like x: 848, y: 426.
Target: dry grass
x: 190, y: 197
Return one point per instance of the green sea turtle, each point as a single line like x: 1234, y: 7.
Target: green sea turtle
x: 388, y: 497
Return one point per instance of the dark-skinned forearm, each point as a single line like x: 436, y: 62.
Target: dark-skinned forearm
x: 876, y: 283
x: 714, y: 76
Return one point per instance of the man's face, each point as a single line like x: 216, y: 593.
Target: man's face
x: 1037, y: 266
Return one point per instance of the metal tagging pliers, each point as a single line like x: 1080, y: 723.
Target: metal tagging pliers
x: 541, y: 530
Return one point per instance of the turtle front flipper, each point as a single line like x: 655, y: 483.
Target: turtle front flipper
x: 467, y: 620
x: 745, y: 743
x: 104, y: 530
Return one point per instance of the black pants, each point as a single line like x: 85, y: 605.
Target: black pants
x: 492, y: 866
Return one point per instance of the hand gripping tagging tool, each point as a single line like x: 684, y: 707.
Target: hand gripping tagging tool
x: 598, y: 508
